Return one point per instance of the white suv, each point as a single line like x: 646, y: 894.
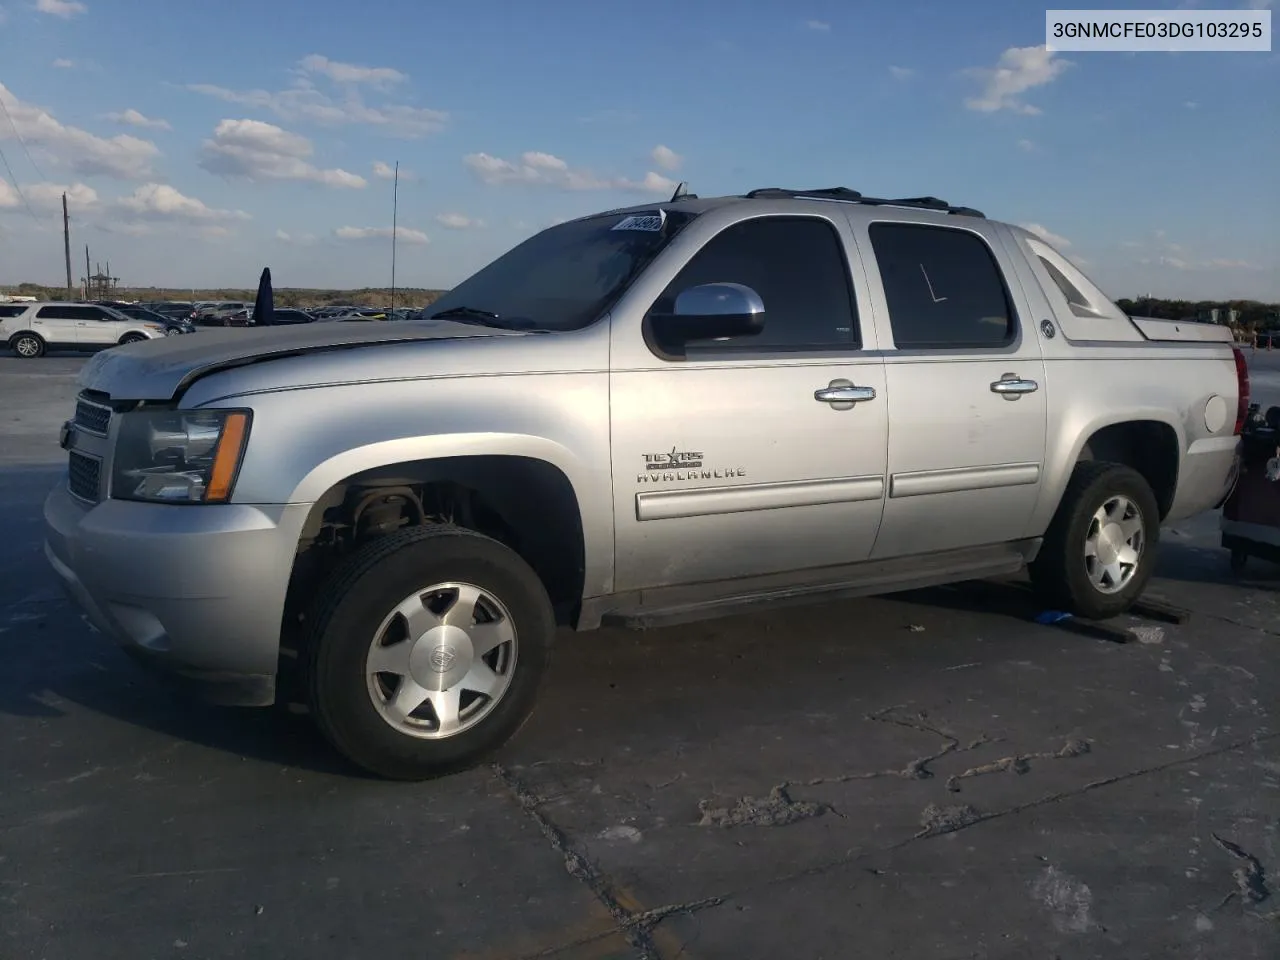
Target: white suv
x: 39, y: 327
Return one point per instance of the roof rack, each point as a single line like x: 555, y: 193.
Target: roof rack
x: 847, y: 195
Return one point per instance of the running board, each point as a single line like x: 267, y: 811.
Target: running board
x: 669, y: 606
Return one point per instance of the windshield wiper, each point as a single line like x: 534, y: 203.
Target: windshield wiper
x: 487, y: 318
x: 466, y: 313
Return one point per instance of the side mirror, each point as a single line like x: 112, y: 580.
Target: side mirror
x: 711, y: 311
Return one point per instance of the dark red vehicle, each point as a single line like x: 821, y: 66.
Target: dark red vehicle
x: 1251, y: 515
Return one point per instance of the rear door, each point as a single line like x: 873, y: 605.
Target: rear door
x: 57, y: 325
x: 966, y: 386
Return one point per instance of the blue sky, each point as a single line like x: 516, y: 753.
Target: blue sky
x: 202, y: 141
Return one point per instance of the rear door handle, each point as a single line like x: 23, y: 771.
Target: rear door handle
x: 1011, y: 386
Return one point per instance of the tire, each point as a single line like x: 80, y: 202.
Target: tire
x: 354, y: 706
x: 1239, y: 559
x: 1061, y: 573
x: 131, y: 338
x: 28, y: 346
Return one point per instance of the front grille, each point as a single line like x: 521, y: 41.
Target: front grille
x: 83, y: 476
x: 93, y: 417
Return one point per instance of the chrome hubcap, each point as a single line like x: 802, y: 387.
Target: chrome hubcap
x: 1113, y: 547
x: 26, y: 347
x: 441, y: 660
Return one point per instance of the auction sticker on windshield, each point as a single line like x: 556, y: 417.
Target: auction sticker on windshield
x: 649, y: 222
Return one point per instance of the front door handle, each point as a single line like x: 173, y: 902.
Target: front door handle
x: 1011, y: 386
x: 842, y: 394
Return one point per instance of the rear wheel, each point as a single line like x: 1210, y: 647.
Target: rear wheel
x: 1099, y: 551
x: 428, y: 651
x: 131, y: 338
x: 28, y: 346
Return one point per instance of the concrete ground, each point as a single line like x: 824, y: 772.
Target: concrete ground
x: 928, y: 776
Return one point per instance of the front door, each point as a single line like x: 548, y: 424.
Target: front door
x: 97, y: 328
x: 735, y: 459
x: 966, y: 384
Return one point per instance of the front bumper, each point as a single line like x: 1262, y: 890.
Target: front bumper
x: 197, y: 591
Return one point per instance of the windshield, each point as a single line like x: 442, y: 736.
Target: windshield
x: 565, y: 277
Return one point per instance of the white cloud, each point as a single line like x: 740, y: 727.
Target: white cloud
x: 1047, y: 235
x: 666, y: 158
x: 159, y: 201
x: 132, y: 118
x: 1019, y: 69
x: 63, y: 64
x: 1191, y: 104
x: 304, y: 102
x: 901, y: 73
x: 387, y: 171
x: 66, y: 9
x: 122, y: 156
x: 1027, y: 146
x: 458, y: 221
x: 301, y: 238
x: 9, y: 199
x: 1182, y: 264
x: 821, y: 26
x: 403, y: 234
x: 254, y: 150
x: 349, y: 72
x: 48, y: 196
x: 545, y: 169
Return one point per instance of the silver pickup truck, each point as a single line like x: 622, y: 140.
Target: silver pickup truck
x: 645, y: 416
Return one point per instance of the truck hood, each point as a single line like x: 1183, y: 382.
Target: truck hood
x: 162, y: 368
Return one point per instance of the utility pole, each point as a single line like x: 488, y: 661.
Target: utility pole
x: 66, y: 242
x: 395, y: 204
x: 87, y: 272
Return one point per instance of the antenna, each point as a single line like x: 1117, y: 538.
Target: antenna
x: 395, y: 204
x: 682, y: 191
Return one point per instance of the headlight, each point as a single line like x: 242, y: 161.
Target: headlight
x: 179, y: 456
x: 158, y: 328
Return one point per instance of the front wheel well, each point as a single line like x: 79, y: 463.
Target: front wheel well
x: 525, y: 503
x: 1148, y: 446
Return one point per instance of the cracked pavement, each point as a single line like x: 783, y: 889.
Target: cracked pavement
x: 928, y: 776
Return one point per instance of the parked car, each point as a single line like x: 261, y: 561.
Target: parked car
x: 286, y: 316
x: 72, y: 326
x: 177, y: 309
x: 172, y: 325
x: 226, y: 313
x: 646, y: 416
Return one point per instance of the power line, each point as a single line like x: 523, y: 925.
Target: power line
x: 14, y: 181
x: 17, y: 133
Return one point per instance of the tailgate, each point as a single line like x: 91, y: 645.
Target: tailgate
x: 1182, y: 331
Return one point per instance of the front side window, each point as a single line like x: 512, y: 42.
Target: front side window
x: 798, y: 267
x: 943, y: 287
x: 565, y: 277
